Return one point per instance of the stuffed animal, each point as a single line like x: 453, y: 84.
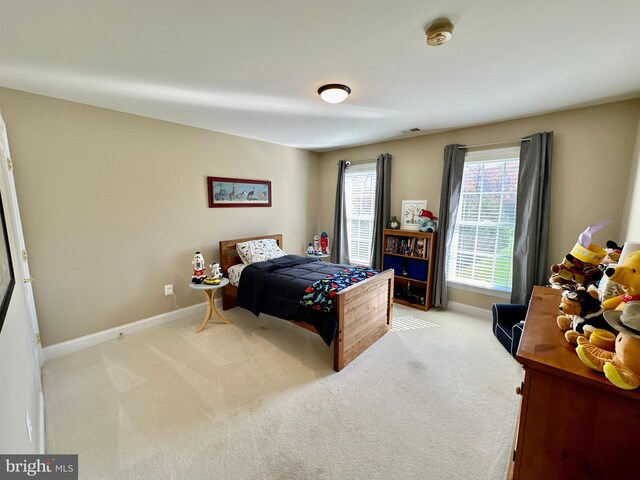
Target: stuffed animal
x: 427, y: 221
x: 581, y: 314
x: 622, y: 368
x: 580, y: 266
x: 573, y: 270
x: 628, y: 276
x: 556, y: 281
x: 613, y: 253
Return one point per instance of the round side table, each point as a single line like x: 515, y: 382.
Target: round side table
x: 210, y: 292
x: 321, y: 256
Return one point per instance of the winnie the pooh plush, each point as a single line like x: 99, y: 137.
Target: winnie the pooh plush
x: 581, y: 314
x: 628, y: 276
x: 621, y: 368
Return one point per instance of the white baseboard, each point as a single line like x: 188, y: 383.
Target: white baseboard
x: 70, y: 346
x: 41, y: 428
x: 468, y: 309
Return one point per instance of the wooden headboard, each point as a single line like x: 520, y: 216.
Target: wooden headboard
x: 229, y: 255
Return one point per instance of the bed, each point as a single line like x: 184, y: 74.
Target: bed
x: 363, y: 311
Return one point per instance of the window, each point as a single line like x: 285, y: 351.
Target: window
x: 360, y: 192
x: 482, y: 247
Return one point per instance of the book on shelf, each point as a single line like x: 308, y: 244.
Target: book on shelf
x: 410, y: 246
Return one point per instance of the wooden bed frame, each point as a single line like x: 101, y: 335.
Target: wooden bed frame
x: 364, y: 309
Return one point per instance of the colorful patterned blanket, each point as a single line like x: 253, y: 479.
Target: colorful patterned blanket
x: 319, y: 296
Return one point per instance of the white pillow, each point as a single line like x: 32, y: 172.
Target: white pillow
x: 259, y: 250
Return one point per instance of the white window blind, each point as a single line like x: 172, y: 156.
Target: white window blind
x: 360, y: 190
x: 482, y: 246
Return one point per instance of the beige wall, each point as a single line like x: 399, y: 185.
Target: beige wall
x: 630, y: 230
x: 593, y: 150
x: 114, y: 206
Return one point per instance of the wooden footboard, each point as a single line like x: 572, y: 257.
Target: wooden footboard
x: 364, y: 309
x: 364, y: 315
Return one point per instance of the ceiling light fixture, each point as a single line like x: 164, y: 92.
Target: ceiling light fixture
x: 439, y: 33
x: 334, y: 92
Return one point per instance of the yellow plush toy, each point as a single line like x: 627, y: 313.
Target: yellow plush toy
x: 628, y: 276
x: 621, y: 368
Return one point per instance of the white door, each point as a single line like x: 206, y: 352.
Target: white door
x: 10, y: 201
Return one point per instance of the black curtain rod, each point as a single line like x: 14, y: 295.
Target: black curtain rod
x: 527, y: 139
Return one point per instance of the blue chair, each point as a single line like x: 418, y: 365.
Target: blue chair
x: 508, y: 322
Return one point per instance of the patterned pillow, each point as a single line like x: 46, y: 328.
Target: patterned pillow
x: 259, y: 250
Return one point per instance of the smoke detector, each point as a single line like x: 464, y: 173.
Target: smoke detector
x: 439, y: 33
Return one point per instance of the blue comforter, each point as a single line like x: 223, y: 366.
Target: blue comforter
x: 276, y: 287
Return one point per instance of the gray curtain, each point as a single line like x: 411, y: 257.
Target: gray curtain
x: 382, y: 207
x: 340, y: 246
x: 531, y: 242
x: 449, y: 199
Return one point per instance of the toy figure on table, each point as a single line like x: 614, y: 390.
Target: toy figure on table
x: 324, y: 243
x: 216, y: 275
x: 198, y: 268
x: 319, y: 246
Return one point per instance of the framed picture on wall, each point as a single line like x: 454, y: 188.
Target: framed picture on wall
x: 7, y: 279
x: 411, y: 210
x: 238, y: 192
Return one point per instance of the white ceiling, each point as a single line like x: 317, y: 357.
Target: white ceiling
x: 252, y: 67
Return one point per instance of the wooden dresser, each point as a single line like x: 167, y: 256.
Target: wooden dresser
x: 573, y: 423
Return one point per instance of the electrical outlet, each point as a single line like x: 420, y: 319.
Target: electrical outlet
x: 29, y: 427
x: 168, y: 290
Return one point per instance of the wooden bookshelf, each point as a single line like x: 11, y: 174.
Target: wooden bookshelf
x: 410, y: 254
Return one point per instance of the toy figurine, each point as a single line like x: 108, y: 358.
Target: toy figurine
x: 324, y: 243
x: 215, y: 270
x: 316, y: 244
x: 198, y: 268
x: 310, y: 249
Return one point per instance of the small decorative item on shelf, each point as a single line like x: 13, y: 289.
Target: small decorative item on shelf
x: 199, y: 266
x: 310, y: 249
x: 394, y: 223
x: 316, y: 244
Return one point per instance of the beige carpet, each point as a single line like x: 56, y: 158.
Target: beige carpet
x: 259, y: 400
